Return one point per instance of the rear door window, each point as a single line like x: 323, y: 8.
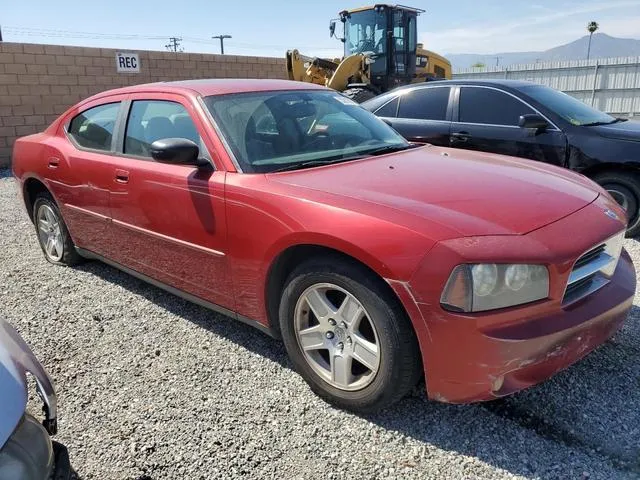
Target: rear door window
x: 425, y: 104
x: 490, y: 107
x: 93, y: 128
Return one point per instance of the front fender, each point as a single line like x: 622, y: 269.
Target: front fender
x: 589, y: 153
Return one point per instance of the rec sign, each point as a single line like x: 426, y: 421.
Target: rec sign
x: 127, y: 63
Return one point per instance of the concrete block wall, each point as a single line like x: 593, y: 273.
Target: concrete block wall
x: 39, y: 82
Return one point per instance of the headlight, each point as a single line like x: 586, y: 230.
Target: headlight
x: 488, y: 286
x: 28, y: 453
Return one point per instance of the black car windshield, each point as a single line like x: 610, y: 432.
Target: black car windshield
x: 281, y: 130
x: 569, y: 108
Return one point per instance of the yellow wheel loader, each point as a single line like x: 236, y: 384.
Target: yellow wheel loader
x: 380, y: 53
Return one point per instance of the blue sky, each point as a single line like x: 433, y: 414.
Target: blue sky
x: 270, y: 27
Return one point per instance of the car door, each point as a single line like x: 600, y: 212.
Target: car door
x: 79, y: 169
x: 169, y: 219
x: 423, y: 114
x: 487, y: 120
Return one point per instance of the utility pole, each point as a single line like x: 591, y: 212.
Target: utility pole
x: 221, y: 37
x: 174, y: 44
x: 498, y: 61
x: 0, y: 34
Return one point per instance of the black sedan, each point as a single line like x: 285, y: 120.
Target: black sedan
x: 522, y: 119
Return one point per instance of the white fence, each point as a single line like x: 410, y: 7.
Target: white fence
x: 611, y: 85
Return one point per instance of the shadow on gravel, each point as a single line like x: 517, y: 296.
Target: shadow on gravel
x: 592, y: 408
x: 5, y: 173
x: 238, y: 332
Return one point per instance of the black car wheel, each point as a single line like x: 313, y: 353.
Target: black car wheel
x: 348, y: 336
x: 625, y: 189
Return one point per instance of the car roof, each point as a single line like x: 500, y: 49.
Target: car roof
x: 213, y: 86
x: 486, y: 82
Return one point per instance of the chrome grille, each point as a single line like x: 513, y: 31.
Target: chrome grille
x: 589, y: 256
x: 593, y: 270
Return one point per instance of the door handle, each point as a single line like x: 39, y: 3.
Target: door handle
x: 54, y: 162
x: 460, y: 137
x: 122, y: 176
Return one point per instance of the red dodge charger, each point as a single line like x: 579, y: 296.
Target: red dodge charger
x: 378, y: 262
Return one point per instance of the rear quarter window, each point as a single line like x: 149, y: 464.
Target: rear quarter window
x: 376, y: 102
x: 389, y: 109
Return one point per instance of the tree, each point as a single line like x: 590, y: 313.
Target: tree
x: 591, y: 28
x: 478, y: 65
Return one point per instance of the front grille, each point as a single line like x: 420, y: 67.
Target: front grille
x: 593, y: 269
x: 589, y: 256
x: 578, y: 286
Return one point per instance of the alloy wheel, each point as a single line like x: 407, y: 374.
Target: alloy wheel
x: 50, y: 233
x: 620, y: 197
x: 337, y: 336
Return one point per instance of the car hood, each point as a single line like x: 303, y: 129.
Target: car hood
x: 629, y: 130
x: 16, y: 360
x: 469, y: 193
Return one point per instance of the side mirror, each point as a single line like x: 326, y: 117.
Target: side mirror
x: 175, y: 150
x: 332, y: 28
x: 534, y: 121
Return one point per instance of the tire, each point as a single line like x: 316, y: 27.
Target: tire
x: 381, y: 379
x: 359, y: 95
x: 46, y: 215
x: 625, y: 189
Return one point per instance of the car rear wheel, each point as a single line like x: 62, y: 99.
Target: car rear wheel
x: 348, y: 336
x: 625, y: 189
x: 53, y: 235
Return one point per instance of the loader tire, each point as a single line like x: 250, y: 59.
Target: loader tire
x: 359, y: 95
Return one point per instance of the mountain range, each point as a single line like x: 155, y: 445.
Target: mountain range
x: 602, y: 46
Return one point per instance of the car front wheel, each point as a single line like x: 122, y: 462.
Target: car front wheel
x: 348, y: 336
x: 625, y: 189
x: 53, y: 235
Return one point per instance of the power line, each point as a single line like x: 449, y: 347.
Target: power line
x: 60, y: 33
x: 46, y: 32
x: 221, y: 37
x: 174, y: 45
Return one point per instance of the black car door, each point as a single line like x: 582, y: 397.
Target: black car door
x: 422, y: 114
x: 487, y: 120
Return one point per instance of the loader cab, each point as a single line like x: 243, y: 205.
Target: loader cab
x: 388, y: 34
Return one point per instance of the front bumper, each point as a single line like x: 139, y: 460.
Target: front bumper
x: 504, y: 360
x: 483, y: 356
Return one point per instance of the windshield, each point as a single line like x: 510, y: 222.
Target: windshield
x: 269, y: 131
x: 365, y: 32
x: 569, y: 108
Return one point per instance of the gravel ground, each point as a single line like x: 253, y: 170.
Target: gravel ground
x: 152, y: 387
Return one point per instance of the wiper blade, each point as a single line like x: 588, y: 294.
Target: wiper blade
x: 596, y: 124
x: 315, y: 163
x: 340, y: 158
x: 388, y: 149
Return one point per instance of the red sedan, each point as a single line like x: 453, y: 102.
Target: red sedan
x: 378, y: 262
